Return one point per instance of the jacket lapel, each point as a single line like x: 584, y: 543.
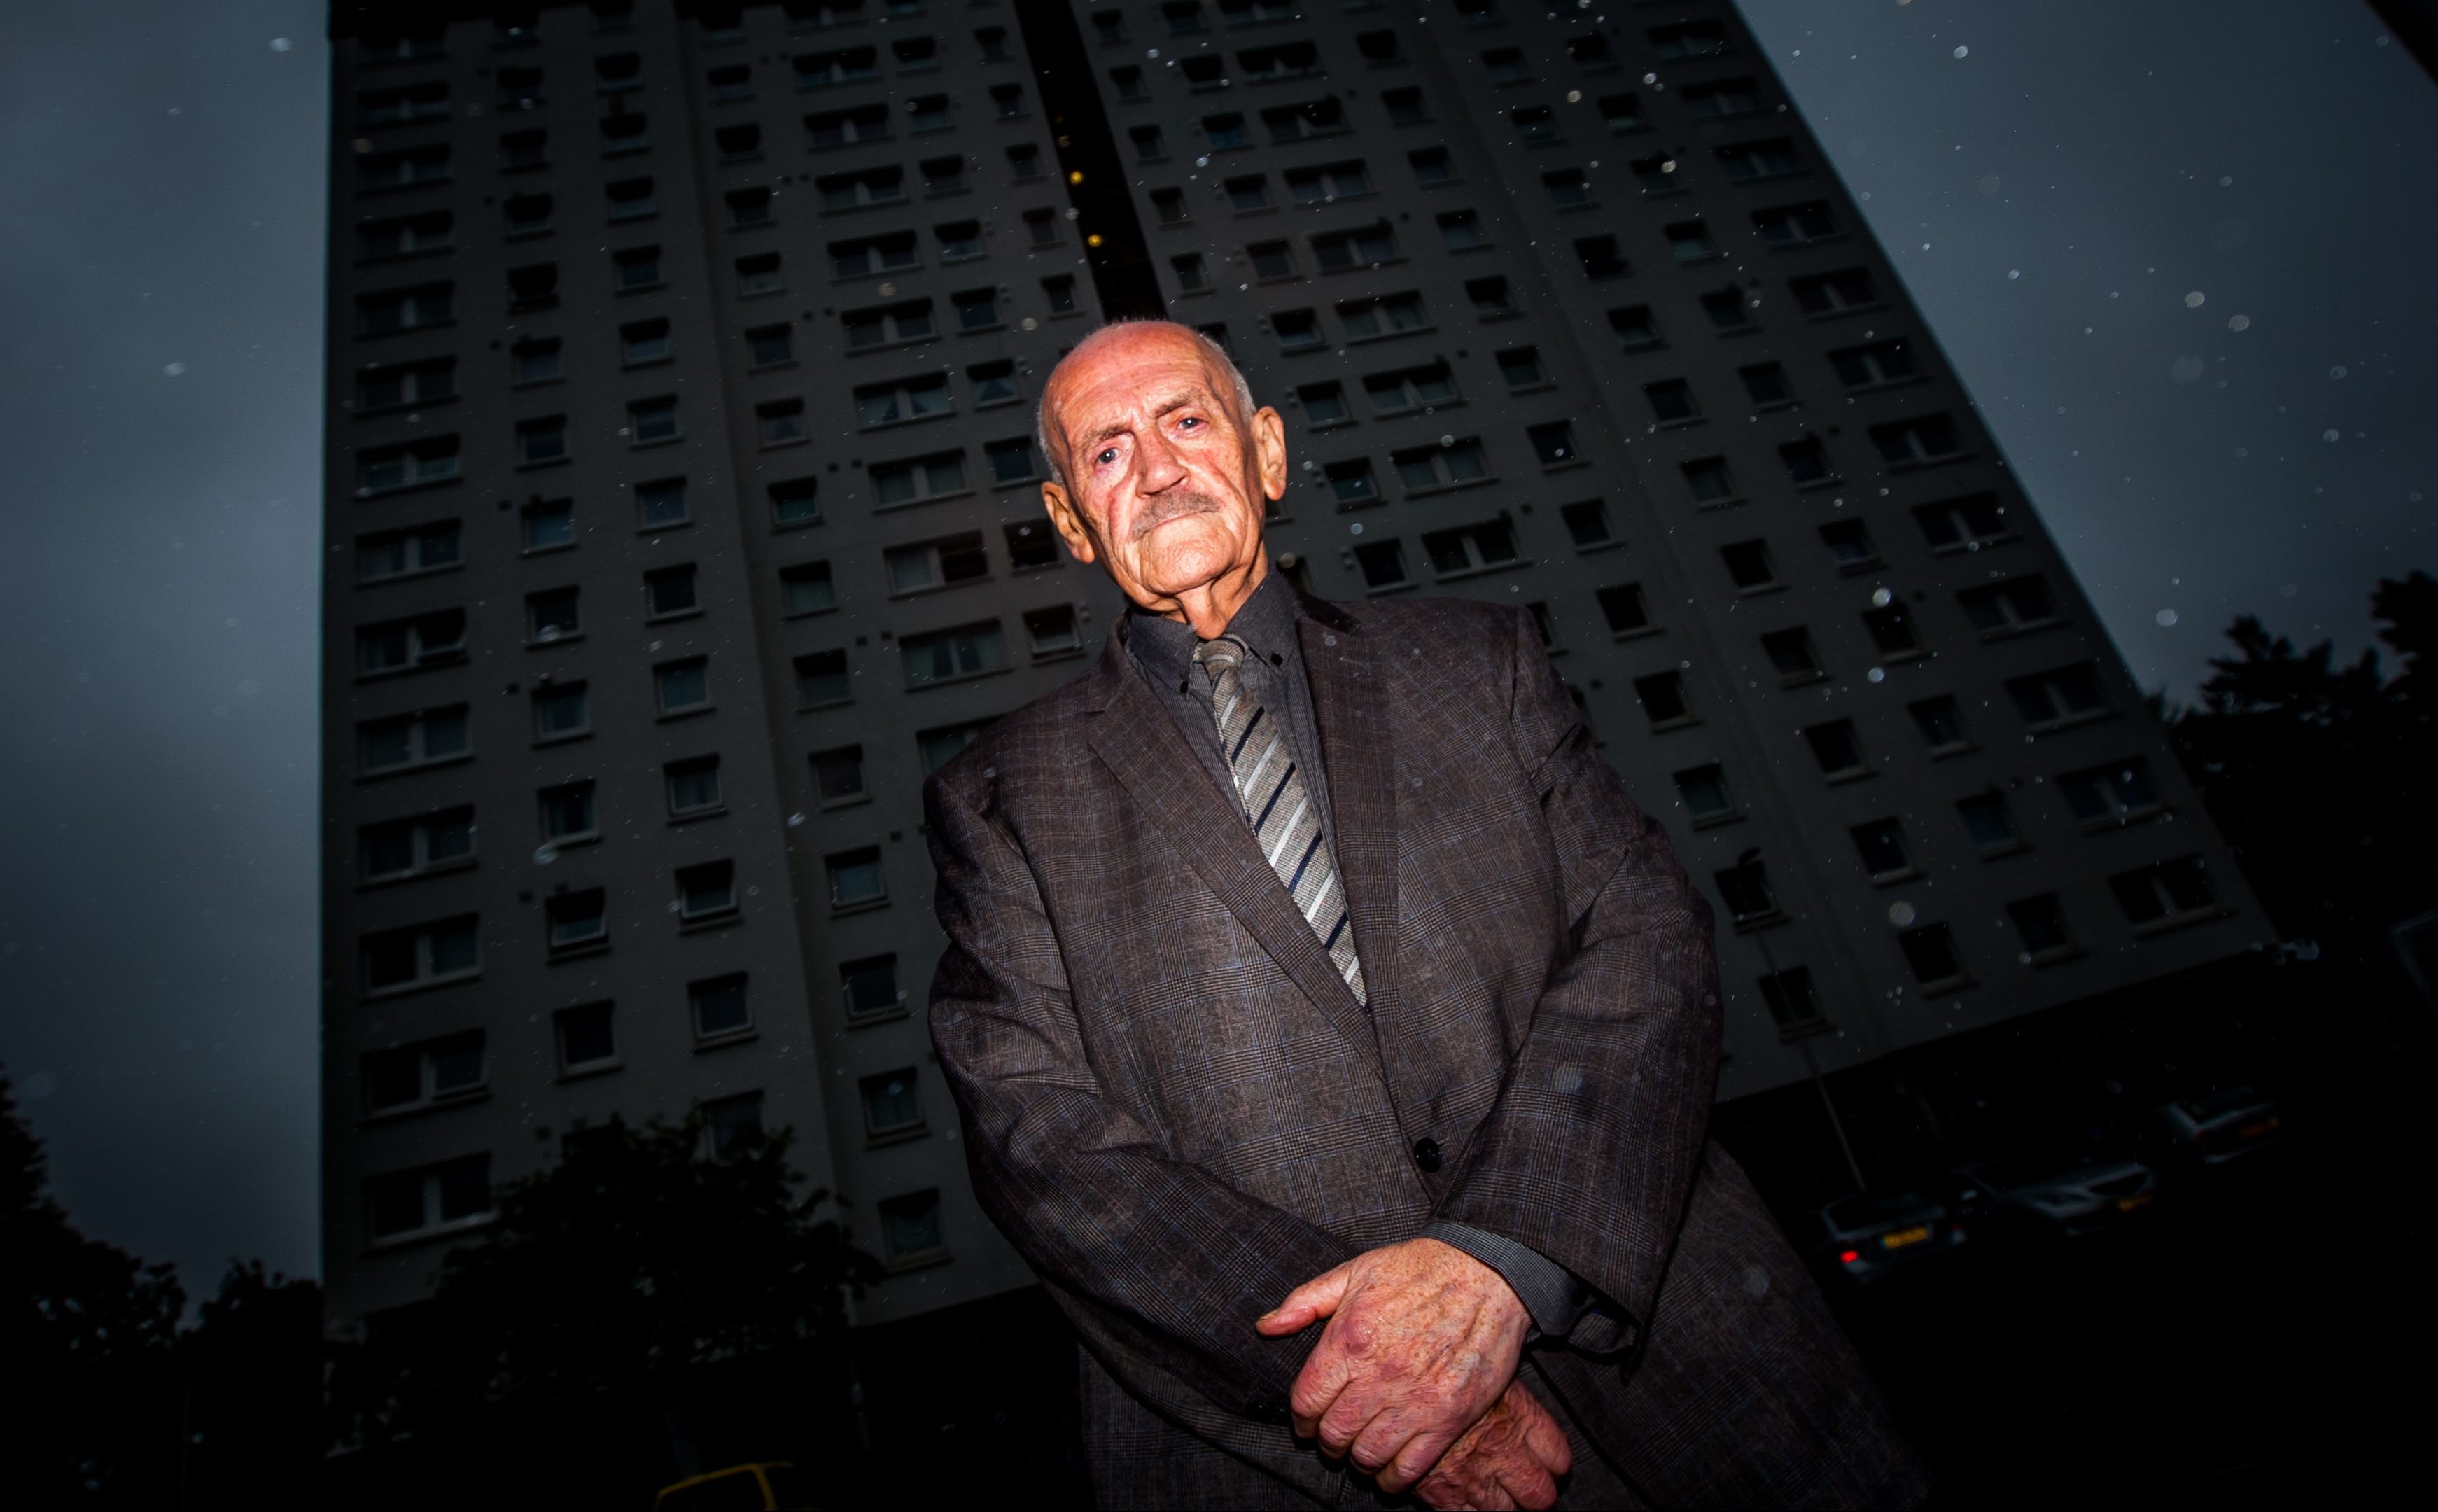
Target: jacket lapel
x: 1351, y: 708
x: 1142, y: 745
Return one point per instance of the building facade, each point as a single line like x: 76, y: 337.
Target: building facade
x: 683, y: 513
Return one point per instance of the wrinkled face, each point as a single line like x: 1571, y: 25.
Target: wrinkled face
x: 1164, y: 478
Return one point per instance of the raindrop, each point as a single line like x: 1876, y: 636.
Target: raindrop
x: 2338, y: 370
x: 2225, y: 179
x: 2166, y: 617
x: 795, y: 821
x: 1989, y: 183
x: 1877, y: 675
x: 1880, y: 598
x: 1355, y: 529
x: 2194, y: 299
x: 172, y: 369
x: 1574, y: 97
x: 544, y: 856
x: 2329, y: 435
x: 280, y: 45
x: 2014, y: 272
x: 2239, y: 322
x: 1447, y: 440
x: 1900, y: 913
x: 1963, y: 52
x: 1653, y: 79
x: 2186, y: 369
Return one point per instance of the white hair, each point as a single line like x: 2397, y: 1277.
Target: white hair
x: 1210, y: 349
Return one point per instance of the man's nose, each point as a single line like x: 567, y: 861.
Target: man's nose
x: 1160, y: 467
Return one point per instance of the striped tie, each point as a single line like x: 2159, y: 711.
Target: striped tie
x: 1279, y: 806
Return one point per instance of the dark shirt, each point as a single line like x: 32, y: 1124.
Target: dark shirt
x: 1273, y: 675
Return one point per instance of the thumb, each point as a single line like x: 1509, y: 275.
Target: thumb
x: 1307, y: 1304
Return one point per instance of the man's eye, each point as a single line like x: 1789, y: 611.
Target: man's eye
x: 1189, y: 420
x: 1107, y: 457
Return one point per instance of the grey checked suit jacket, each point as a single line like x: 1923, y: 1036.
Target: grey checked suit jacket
x: 1177, y: 1111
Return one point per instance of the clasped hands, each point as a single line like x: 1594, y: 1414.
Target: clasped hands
x: 1414, y: 1378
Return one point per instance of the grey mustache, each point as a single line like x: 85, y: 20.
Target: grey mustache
x: 1173, y: 506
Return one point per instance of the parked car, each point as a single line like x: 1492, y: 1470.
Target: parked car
x: 1869, y: 1234
x: 2223, y: 1126
x: 758, y: 1487
x: 2056, y: 1198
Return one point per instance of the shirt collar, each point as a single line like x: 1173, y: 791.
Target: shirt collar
x: 1265, y: 623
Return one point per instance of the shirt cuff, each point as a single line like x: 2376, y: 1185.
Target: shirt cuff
x: 1548, y: 1290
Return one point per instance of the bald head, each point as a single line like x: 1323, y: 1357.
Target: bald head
x: 1160, y: 464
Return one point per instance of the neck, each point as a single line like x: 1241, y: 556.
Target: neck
x: 1211, y: 607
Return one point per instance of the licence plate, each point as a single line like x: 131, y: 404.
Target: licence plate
x: 2127, y: 1205
x: 1905, y: 1236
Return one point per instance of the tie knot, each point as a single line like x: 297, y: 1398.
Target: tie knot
x: 1226, y: 654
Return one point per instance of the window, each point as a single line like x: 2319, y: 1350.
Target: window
x: 854, y: 191
x: 683, y: 687
x: 806, y: 589
x: 1382, y: 563
x: 1366, y: 247
x: 1987, y: 819
x: 993, y: 43
x: 2008, y: 607
x: 1704, y: 790
x: 796, y: 501
x: 1554, y: 442
x: 770, y: 345
x: 748, y: 208
x: 938, y: 747
x: 405, y: 310
x: 1041, y: 227
x: 1193, y: 277
x: 1007, y: 101
x: 406, y: 646
x: 1792, y: 653
x: 652, y: 421
x: 779, y: 422
x: 586, y: 1036
x: 409, y: 848
x: 943, y: 175
x: 1030, y: 544
x: 1806, y: 462
x: 632, y: 200
x: 1941, y: 724
x: 661, y: 504
x: 856, y: 878
x: 2115, y: 794
x: 405, y: 235
x: 1964, y: 524
x: 1184, y: 18
x: 1849, y: 545
x: 1168, y: 208
x: 527, y: 215
x: 1588, y: 48
x: 1891, y: 631
x: 1292, y: 60
x: 393, y: 107
x: 1905, y: 443
x: 567, y: 813
x: 1323, y: 404
x: 1479, y: 13
x: 1792, y: 1005
x: 1150, y: 146
x: 402, y: 169
x: 1710, y: 480
x: 549, y: 525
x: 1223, y: 132
x: 837, y: 775
x: 1833, y: 293
x: 887, y: 325
x: 421, y: 954
x: 2167, y: 894
x: 1011, y: 460
x: 2058, y: 695
x: 1129, y: 83
x: 1504, y: 65
x: 937, y: 564
x: 1431, y: 166
x: 624, y: 132
x: 1297, y: 330
x: 941, y: 655
x: 1744, y: 888
x: 822, y: 679
x: 1689, y: 240
x: 1294, y: 123
x: 1671, y: 400
x: 1452, y: 464
x: 1406, y: 107
x: 994, y: 383
x: 1600, y: 259
x: 1566, y: 187
x: 760, y: 274
x: 522, y: 150
x: 1835, y: 746
x: 870, y: 986
x: 731, y: 83
x: 1053, y: 632
x: 909, y: 1226
x: 1746, y: 162
x: 576, y: 920
x: 918, y: 399
x: 386, y: 555
x: 1491, y: 298
x: 706, y: 891
x: 1059, y: 294
x: 1533, y: 124
x: 1586, y: 524
x: 1622, y: 606
x: 1728, y: 310
x: 2041, y: 924
x: 1471, y: 548
x: 692, y: 785
x: 1663, y: 700
x: 1410, y: 388
x: 1521, y: 367
x: 644, y: 341
x: 740, y: 142
x: 1251, y: 192
x: 1350, y: 483
x: 1765, y: 384
x: 845, y: 128
x: 918, y: 479
x: 718, y: 1008
x: 977, y: 310
x: 1749, y: 565
x: 889, y: 1107
x: 916, y: 55
x: 542, y: 441
x: 1656, y: 174
x: 845, y: 65
x: 1795, y: 225
x: 1882, y: 843
x: 560, y: 711
x: 618, y: 70
x: 411, y: 740
x: 636, y: 267
x: 1929, y: 950
x: 1633, y: 326
x: 428, y: 1198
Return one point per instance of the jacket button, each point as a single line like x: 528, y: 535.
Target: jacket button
x: 1426, y: 1153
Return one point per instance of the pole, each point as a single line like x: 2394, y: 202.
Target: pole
x: 1813, y: 1061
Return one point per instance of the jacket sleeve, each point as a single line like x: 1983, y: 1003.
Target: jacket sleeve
x: 1173, y: 1263
x: 1589, y: 1154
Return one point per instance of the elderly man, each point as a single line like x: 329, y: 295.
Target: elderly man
x: 1336, y: 1039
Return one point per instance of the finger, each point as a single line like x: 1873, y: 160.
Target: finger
x: 1306, y: 1304
x: 1544, y: 1438
x: 1412, y: 1460
x: 1525, y: 1484
x: 1352, y: 1416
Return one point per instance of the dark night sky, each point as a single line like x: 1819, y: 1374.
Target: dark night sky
x: 2082, y: 171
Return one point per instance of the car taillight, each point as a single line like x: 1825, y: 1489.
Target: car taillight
x: 1849, y: 1256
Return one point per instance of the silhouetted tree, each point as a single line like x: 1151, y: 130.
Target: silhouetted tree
x: 617, y: 1276
x: 86, y: 1336
x: 250, y: 1392
x: 2319, y: 775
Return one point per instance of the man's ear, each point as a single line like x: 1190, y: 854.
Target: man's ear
x: 1270, y: 452
x: 1067, y: 520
